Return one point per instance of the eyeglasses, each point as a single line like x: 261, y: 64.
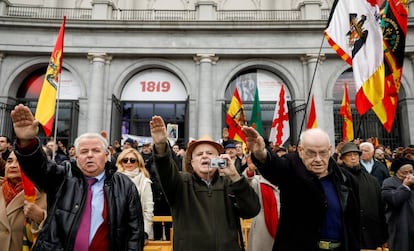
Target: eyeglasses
x: 312, y: 154
x: 131, y: 160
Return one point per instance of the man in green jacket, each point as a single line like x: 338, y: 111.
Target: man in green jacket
x: 206, y: 205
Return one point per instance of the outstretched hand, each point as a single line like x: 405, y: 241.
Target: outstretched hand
x: 25, y: 125
x: 255, y: 143
x: 158, y: 133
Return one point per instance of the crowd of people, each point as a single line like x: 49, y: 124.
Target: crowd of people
x: 102, y: 196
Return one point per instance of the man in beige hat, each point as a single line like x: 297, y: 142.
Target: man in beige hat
x: 207, y: 204
x: 372, y: 208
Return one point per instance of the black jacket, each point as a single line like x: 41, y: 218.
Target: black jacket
x: 303, y: 203
x: 66, y: 190
x: 373, y: 223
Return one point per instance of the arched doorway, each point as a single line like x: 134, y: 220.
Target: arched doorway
x: 68, y: 110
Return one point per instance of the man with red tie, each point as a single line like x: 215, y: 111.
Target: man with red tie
x: 90, y: 206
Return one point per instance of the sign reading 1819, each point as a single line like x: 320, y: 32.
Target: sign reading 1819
x: 153, y: 86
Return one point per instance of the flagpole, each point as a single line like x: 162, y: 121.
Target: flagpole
x: 57, y: 104
x: 56, y: 116
x: 310, y: 89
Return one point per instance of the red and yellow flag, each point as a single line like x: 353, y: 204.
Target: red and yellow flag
x: 45, y: 109
x: 312, y: 122
x: 346, y: 114
x: 235, y: 118
x: 30, y: 195
x: 354, y: 32
x: 394, y: 23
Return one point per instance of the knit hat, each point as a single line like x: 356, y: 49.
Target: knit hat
x: 399, y: 162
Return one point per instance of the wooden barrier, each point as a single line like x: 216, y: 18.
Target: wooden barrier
x: 161, y: 245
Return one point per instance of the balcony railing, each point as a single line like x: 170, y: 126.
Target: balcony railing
x: 49, y: 13
x: 155, y: 15
x: 258, y: 15
x: 159, y: 15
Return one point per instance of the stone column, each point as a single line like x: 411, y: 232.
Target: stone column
x: 96, y: 90
x: 410, y: 8
x: 318, y: 90
x: 107, y: 98
x: 206, y: 10
x: 311, y: 9
x: 102, y: 9
x: 4, y: 5
x: 206, y: 121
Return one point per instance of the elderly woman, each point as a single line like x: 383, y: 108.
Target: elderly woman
x: 131, y: 163
x: 14, y: 209
x: 398, y: 193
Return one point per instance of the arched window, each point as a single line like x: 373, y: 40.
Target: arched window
x: 268, y: 84
x: 365, y: 126
x: 68, y: 95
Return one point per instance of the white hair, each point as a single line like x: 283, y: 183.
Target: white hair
x: 104, y: 142
x: 369, y: 144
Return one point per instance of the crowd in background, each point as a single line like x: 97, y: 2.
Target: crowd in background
x: 136, y: 161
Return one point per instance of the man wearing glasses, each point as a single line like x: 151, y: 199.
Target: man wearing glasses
x: 319, y: 202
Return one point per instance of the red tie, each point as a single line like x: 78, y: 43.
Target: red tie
x: 82, y: 237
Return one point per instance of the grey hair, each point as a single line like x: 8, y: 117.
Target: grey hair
x: 313, y: 130
x: 104, y: 142
x: 369, y: 144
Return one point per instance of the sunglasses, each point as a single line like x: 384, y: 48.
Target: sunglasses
x: 131, y: 160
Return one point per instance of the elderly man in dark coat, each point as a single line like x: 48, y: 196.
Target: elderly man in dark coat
x: 319, y: 202
x: 373, y: 224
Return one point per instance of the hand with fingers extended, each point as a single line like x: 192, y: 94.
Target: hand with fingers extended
x: 255, y: 143
x: 26, y: 127
x: 158, y: 133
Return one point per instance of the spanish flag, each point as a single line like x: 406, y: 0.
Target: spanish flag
x: 236, y: 119
x: 394, y: 24
x: 345, y: 112
x: 354, y: 32
x: 312, y: 122
x: 45, y: 110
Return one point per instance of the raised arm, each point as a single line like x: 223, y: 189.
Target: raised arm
x: 24, y: 124
x: 159, y: 134
x: 255, y: 143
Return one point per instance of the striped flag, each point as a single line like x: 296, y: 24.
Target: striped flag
x: 280, y: 131
x: 45, y: 110
x: 256, y: 118
x: 394, y: 22
x: 235, y: 118
x: 346, y: 114
x: 30, y: 195
x: 354, y: 32
x: 312, y: 122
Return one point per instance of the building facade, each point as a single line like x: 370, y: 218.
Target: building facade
x: 125, y: 61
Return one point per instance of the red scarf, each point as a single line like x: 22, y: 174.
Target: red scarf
x: 10, y: 191
x: 270, y: 209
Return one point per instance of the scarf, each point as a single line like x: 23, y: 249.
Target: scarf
x: 132, y: 174
x: 10, y: 191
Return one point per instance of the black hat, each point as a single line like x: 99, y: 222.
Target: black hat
x: 399, y: 162
x: 350, y: 147
x: 129, y: 140
x: 229, y: 145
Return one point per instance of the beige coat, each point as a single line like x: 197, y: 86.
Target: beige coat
x: 12, y: 220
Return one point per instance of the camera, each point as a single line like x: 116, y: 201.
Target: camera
x: 218, y: 163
